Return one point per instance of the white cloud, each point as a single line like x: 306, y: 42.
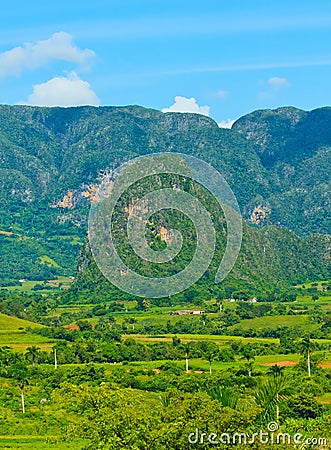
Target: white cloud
x: 33, y: 55
x: 277, y: 82
x: 226, y: 123
x: 63, y: 91
x: 221, y: 94
x: 190, y: 105
x: 272, y: 86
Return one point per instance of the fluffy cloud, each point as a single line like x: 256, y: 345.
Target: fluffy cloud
x: 277, y: 82
x: 226, y: 123
x: 190, y: 105
x: 33, y: 55
x: 63, y: 91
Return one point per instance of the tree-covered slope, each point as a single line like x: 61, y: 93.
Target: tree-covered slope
x: 271, y: 260
x: 295, y: 148
x: 276, y: 162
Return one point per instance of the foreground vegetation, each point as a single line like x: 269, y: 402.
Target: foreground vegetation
x: 132, y: 375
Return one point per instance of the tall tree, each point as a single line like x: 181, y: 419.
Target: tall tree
x: 187, y: 355
x: 306, y: 348
x: 276, y: 372
x: 248, y: 355
x: 211, y: 355
x: 21, y: 374
x: 55, y: 358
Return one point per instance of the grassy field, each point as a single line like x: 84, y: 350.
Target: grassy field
x: 155, y: 317
x: 325, y: 399
x: 261, y: 363
x: 272, y: 322
x: 28, y: 285
x: 9, y: 323
x: 13, y: 332
x: 305, y: 301
x: 21, y: 341
x: 220, y: 340
x: 48, y: 261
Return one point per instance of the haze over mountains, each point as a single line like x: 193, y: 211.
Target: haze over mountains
x: 276, y: 161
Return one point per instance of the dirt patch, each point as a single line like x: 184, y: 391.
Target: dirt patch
x: 325, y: 365
x: 281, y: 364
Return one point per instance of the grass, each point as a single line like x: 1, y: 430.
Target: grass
x: 220, y: 340
x: 272, y: 322
x: 13, y: 333
x: 38, y: 442
x: 304, y: 299
x: 48, y: 261
x: 9, y: 323
x: 274, y: 359
x: 146, y: 318
x: 28, y: 285
x: 74, y: 240
x: 324, y: 399
x: 20, y: 341
x: 25, y: 287
x: 198, y: 364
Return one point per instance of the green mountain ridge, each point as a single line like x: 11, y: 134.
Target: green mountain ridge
x: 294, y: 146
x: 277, y: 163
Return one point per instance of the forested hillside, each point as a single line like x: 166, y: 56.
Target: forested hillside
x: 276, y: 162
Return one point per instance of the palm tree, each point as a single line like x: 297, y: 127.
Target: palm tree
x: 227, y: 396
x: 21, y: 375
x: 269, y: 396
x: 210, y: 357
x: 7, y: 356
x: 249, y: 366
x: 187, y: 354
x: 249, y: 357
x: 276, y: 371
x: 32, y: 353
x: 306, y: 348
x: 55, y: 358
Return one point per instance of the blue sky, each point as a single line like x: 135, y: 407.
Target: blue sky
x: 220, y: 58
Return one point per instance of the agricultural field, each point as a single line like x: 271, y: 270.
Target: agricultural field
x: 260, y: 323
x: 154, y: 357
x: 15, y: 333
x: 54, y: 285
x: 219, y: 340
